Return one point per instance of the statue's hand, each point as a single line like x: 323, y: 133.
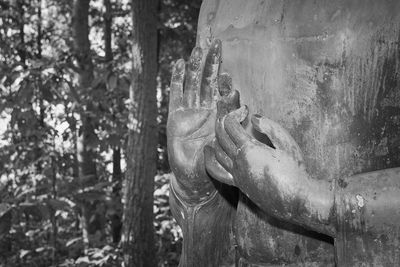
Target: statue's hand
x: 191, y: 122
x: 273, y: 176
x: 258, y: 169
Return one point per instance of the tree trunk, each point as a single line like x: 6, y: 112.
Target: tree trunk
x: 116, y: 217
x: 92, y: 221
x: 21, y: 46
x: 108, y: 32
x: 138, y: 232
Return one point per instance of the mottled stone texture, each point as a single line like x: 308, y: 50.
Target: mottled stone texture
x: 327, y: 71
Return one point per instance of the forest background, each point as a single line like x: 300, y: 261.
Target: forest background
x: 72, y: 89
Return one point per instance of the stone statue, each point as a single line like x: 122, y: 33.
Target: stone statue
x: 303, y: 169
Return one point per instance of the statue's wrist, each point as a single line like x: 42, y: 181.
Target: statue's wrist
x: 206, y: 224
x: 190, y: 196
x: 341, y: 203
x: 182, y: 205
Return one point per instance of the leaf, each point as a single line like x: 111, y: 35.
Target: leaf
x: 40, y: 249
x: 57, y: 204
x: 23, y: 253
x: 84, y: 259
x: 20, y: 195
x: 25, y: 91
x: 36, y: 210
x: 99, y: 186
x: 4, y: 208
x: 112, y: 82
x: 97, y: 82
x: 124, y: 84
x: 73, y: 241
x: 5, y: 219
x: 46, y: 92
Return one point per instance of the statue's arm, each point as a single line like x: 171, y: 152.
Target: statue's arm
x: 369, y: 202
x: 275, y: 178
x: 366, y: 203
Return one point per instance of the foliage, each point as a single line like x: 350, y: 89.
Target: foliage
x: 40, y: 108
x: 169, y: 235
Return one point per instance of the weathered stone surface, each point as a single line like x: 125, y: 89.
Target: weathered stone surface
x: 328, y: 72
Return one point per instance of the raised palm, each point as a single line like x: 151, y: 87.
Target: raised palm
x: 191, y: 122
x: 189, y: 130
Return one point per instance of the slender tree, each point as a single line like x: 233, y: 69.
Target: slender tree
x: 21, y: 47
x: 138, y: 232
x: 116, y: 217
x: 92, y: 222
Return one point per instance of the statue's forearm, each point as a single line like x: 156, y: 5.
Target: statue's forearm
x: 206, y: 229
x: 367, y: 218
x: 297, y: 199
x: 364, y: 203
x: 369, y: 202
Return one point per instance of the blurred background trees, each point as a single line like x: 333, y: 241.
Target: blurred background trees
x: 69, y: 95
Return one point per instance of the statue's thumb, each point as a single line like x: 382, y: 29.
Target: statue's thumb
x: 224, y: 84
x: 280, y: 137
x: 228, y: 103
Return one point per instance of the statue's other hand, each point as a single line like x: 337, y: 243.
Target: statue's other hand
x: 191, y: 122
x: 258, y: 169
x: 273, y: 176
